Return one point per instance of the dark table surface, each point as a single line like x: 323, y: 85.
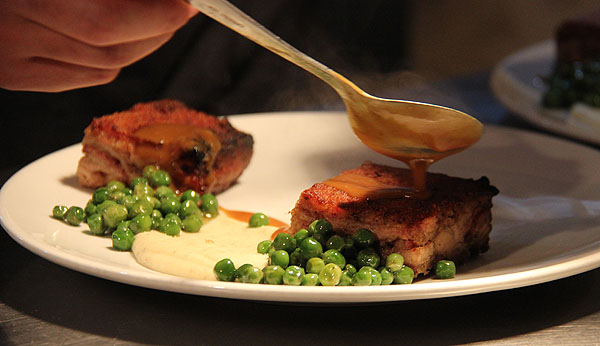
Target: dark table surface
x: 44, y: 303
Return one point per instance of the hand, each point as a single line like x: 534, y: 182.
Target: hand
x: 57, y: 45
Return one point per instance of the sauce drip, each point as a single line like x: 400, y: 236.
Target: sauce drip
x: 164, y: 144
x: 416, y: 137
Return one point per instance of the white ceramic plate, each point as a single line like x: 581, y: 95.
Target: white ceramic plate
x: 517, y: 83
x: 546, y: 219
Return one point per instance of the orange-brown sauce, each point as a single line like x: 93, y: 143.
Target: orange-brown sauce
x: 164, y: 143
x: 439, y: 131
x: 244, y: 216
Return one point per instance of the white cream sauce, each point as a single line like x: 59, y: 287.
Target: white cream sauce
x: 193, y: 255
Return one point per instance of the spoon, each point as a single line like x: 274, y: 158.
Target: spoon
x: 413, y: 132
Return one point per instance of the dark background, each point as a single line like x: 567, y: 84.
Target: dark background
x: 384, y: 46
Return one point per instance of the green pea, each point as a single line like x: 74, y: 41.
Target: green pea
x: 241, y: 270
x: 335, y: 242
x: 404, y: 275
x: 224, y: 270
x: 362, y: 278
x: 114, y: 214
x: 330, y: 275
x: 284, y: 241
x: 164, y: 192
x: 148, y: 171
x: 174, y: 217
x: 301, y: 235
x: 115, y: 185
x: 101, y: 208
x: 90, y: 208
x: 189, y: 207
x: 297, y: 259
x: 160, y: 178
x: 74, y: 215
x: 280, y: 258
x: 310, y: 247
x: 117, y: 196
x: 315, y: 265
x: 122, y: 240
x: 367, y: 257
x: 97, y: 226
x: 335, y: 257
x: 346, y: 279
x: 58, y: 212
x: 293, y: 276
x: 209, y: 205
x: 141, y: 223
x: 364, y: 238
x: 141, y: 190
x: 321, y: 230
x: 263, y: 246
x: 252, y: 275
x: 190, y: 195
x: 394, y: 262
x: 376, y: 277
x: 351, y: 269
x: 192, y: 223
x: 154, y: 201
x: 273, y: 275
x: 258, y: 219
x: 310, y: 279
x: 170, y: 226
x: 170, y: 204
x: 138, y: 180
x: 349, y: 250
x: 123, y: 225
x: 100, y: 195
x: 445, y: 269
x: 387, y: 277
x: 156, y: 221
x: 320, y: 226
x: 129, y: 202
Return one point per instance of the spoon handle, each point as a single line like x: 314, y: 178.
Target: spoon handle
x: 227, y: 14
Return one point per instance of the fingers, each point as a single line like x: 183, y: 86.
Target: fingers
x: 38, y: 74
x: 67, y: 50
x: 107, y: 22
x: 52, y: 45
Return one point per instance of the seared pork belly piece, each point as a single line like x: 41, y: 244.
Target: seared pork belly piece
x: 200, y: 151
x: 453, y: 223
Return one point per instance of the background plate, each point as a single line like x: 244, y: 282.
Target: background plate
x: 546, y: 218
x: 517, y: 83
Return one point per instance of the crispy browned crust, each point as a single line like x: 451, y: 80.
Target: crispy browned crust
x: 453, y: 224
x: 109, y: 147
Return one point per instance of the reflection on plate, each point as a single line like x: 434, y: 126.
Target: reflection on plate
x: 546, y: 218
x: 517, y: 82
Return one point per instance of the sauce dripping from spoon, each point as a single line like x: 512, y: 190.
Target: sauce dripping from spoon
x: 412, y: 132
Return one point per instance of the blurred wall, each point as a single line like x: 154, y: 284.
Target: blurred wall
x: 453, y: 37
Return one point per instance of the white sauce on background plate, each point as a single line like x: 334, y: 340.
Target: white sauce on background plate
x: 193, y: 255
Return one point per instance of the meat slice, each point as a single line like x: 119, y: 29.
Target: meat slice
x: 200, y: 151
x: 453, y: 223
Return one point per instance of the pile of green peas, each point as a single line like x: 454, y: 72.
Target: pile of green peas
x: 147, y: 204
x: 573, y: 82
x: 317, y: 256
